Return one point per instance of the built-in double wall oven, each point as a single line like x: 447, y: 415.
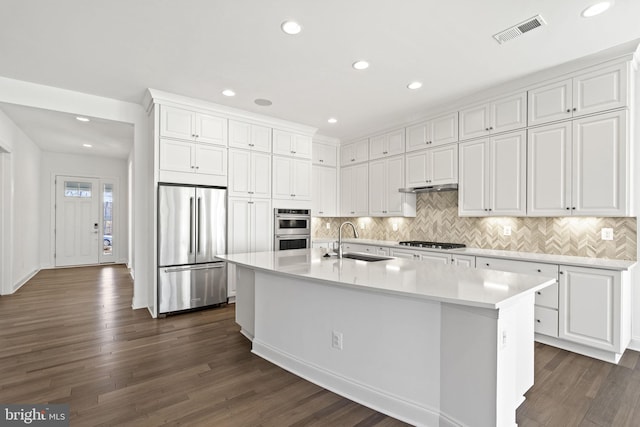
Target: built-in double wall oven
x: 292, y: 229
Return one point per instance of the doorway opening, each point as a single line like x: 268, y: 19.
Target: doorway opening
x: 85, y: 221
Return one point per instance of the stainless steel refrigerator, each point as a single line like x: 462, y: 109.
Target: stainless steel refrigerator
x: 191, y: 232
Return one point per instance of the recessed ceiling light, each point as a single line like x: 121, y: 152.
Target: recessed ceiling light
x: 360, y: 65
x: 291, y: 27
x: 82, y: 119
x: 332, y: 120
x: 414, y: 85
x: 228, y: 92
x: 263, y: 102
x: 596, y: 9
x: 87, y: 145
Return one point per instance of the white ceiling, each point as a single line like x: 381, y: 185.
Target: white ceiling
x: 197, y: 48
x: 60, y: 132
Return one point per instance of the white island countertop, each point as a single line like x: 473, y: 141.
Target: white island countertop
x: 437, y: 282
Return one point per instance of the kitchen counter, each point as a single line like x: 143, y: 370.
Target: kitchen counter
x: 428, y: 344
x: 402, y: 277
x: 577, y: 261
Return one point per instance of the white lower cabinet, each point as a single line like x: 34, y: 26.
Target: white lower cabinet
x: 594, y: 308
x: 435, y: 257
x: 546, y: 309
x: 463, y: 260
x: 421, y: 255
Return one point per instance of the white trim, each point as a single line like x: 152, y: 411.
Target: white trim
x: 6, y: 233
x: 596, y: 353
x: 198, y: 105
x: 378, y: 400
x: 24, y: 280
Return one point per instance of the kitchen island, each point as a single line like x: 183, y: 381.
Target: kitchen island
x: 428, y: 344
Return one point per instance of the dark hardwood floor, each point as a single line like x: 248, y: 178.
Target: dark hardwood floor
x: 70, y: 336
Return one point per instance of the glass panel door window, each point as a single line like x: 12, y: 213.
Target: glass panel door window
x: 107, y: 219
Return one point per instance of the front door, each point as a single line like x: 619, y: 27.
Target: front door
x: 78, y: 236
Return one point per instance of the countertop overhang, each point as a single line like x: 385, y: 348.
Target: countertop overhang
x: 430, y: 281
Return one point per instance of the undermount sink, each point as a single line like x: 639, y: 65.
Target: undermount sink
x: 365, y: 257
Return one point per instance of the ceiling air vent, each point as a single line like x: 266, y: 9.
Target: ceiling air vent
x: 519, y: 29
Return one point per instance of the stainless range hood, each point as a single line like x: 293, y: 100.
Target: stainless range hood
x: 430, y: 188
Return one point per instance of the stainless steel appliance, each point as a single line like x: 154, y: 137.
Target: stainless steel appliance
x: 430, y: 188
x: 432, y: 245
x: 191, y: 232
x: 292, y: 229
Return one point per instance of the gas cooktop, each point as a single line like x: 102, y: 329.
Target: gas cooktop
x: 433, y: 245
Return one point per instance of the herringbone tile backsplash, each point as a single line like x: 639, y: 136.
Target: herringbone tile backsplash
x: 437, y: 220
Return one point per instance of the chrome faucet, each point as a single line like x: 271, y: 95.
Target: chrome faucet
x: 355, y: 232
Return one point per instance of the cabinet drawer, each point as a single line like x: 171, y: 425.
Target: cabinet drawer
x: 546, y: 321
x: 513, y: 266
x: 548, y: 297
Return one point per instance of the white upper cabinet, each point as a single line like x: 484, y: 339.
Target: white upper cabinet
x: 580, y: 167
x: 249, y: 174
x: 324, y: 191
x: 189, y: 125
x: 354, y: 190
x: 249, y: 136
x: 386, y: 177
x: 586, y: 93
x: 291, y: 178
x: 434, y: 166
x: 389, y: 144
x: 324, y: 154
x: 291, y: 144
x: 438, y: 131
x: 354, y: 152
x: 500, y: 115
x: 492, y: 176
x: 187, y: 157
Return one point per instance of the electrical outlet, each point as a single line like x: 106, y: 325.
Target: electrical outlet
x: 362, y: 225
x: 506, y: 230
x: 394, y: 226
x: 504, y: 339
x: 336, y: 340
x: 328, y: 226
x: 606, y: 234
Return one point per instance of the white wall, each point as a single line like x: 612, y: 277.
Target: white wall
x: 85, y: 166
x: 56, y: 99
x: 20, y: 206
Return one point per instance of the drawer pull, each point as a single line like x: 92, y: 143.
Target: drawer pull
x: 539, y: 271
x: 539, y: 293
x: 538, y: 320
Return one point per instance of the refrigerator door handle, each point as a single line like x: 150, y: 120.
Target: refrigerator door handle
x: 191, y: 225
x: 187, y: 268
x: 199, y: 224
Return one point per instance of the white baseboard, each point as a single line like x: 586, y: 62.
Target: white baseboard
x: 607, y: 356
x: 634, y: 344
x: 367, y: 396
x: 24, y: 280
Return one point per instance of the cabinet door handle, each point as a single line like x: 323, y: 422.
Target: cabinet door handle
x: 321, y: 161
x: 490, y: 127
x: 575, y: 109
x: 197, y: 136
x: 251, y: 145
x: 568, y: 208
x: 539, y: 293
x: 486, y: 129
x: 197, y: 167
x: 539, y: 271
x: 568, y: 110
x: 384, y: 152
x: 538, y: 320
x: 573, y: 208
x: 487, y: 264
x: 353, y: 160
x: 562, y: 272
